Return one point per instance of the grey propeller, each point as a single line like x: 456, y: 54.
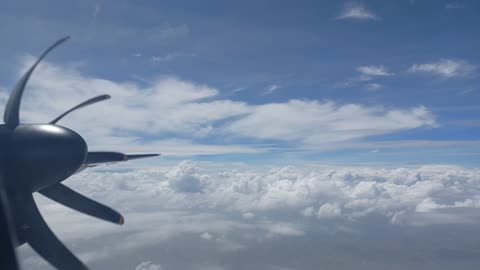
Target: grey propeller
x: 8, y: 260
x: 81, y: 105
x: 38, y: 158
x: 70, y: 198
x: 36, y: 232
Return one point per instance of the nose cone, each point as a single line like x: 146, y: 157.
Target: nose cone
x: 46, y: 154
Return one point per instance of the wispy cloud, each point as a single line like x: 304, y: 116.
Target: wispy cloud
x: 168, y: 31
x: 148, y: 265
x: 367, y: 74
x: 374, y: 71
x: 170, y: 57
x: 454, y: 5
x: 446, y: 68
x: 272, y: 88
x: 356, y: 10
x: 166, y: 108
x: 238, y: 89
x: 374, y: 86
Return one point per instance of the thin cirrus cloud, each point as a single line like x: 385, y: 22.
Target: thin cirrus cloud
x: 445, y: 68
x: 356, y: 11
x: 367, y: 73
x: 373, y: 70
x: 173, y: 108
x: 272, y: 88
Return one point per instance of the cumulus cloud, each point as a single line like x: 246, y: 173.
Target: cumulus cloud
x: 445, y: 68
x: 329, y: 210
x: 356, y: 10
x: 312, y: 206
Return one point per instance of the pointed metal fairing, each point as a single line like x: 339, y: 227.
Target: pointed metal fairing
x: 113, y: 157
x: 11, y: 116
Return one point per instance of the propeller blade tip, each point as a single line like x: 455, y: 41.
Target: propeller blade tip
x: 121, y: 221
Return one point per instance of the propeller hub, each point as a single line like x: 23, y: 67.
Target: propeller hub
x: 44, y: 154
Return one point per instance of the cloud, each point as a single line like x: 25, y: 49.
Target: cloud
x: 374, y: 86
x: 168, y: 31
x: 373, y: 71
x: 146, y: 117
x: 272, y: 88
x: 295, y: 206
x: 329, y: 210
x: 356, y: 10
x: 170, y: 57
x: 367, y: 74
x: 445, y: 68
x: 307, y: 122
x: 148, y: 265
x: 454, y: 5
x: 183, y: 179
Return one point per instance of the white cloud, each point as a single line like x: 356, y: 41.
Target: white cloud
x: 206, y: 236
x: 373, y: 71
x: 170, y: 57
x: 248, y: 215
x: 169, y: 107
x: 356, y: 10
x: 349, y: 202
x: 184, y: 179
x: 374, y: 86
x: 454, y: 5
x: 272, y: 88
x: 446, y: 68
x: 329, y: 210
x: 367, y: 74
x: 316, y: 123
x: 168, y: 31
x: 148, y: 265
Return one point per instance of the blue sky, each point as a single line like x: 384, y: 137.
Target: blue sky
x: 337, y: 134
x: 384, y: 56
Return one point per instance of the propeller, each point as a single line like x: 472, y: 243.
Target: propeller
x: 38, y: 157
x: 8, y: 258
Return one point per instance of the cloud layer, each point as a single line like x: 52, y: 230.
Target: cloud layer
x: 148, y: 116
x: 211, y: 216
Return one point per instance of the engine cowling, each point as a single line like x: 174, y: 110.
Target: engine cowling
x: 43, y: 154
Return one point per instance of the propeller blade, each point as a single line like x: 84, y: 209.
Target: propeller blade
x: 139, y: 156
x: 70, y: 198
x: 39, y: 236
x: 81, y: 105
x: 12, y: 110
x: 8, y: 258
x: 112, y: 157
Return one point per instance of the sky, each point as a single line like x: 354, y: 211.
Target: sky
x: 290, y: 129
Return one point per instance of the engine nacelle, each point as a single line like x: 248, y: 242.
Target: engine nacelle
x: 42, y: 154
